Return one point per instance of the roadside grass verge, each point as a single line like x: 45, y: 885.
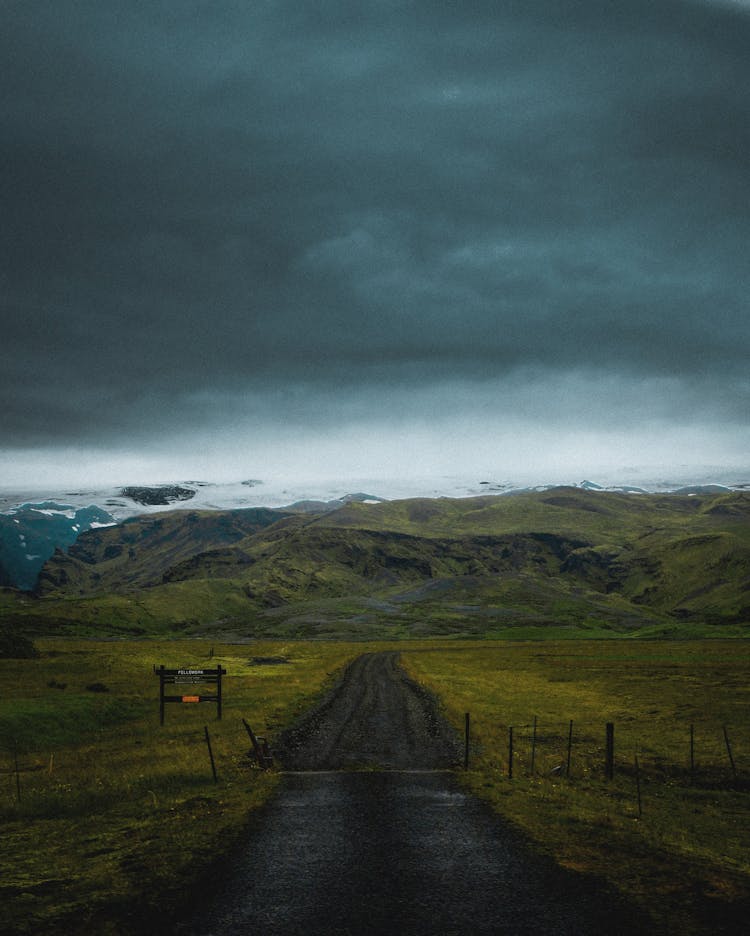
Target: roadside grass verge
x: 118, y: 818
x: 110, y: 818
x: 685, y: 855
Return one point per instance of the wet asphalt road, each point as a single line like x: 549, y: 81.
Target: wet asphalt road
x: 392, y: 851
x: 397, y: 853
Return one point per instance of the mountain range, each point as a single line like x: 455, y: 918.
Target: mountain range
x: 31, y: 532
x: 32, y: 527
x: 578, y: 558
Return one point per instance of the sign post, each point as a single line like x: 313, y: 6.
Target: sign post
x: 189, y: 682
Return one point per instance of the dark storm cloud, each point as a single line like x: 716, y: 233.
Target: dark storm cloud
x: 207, y: 204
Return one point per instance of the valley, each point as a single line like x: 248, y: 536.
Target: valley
x: 584, y: 562
x: 538, y: 607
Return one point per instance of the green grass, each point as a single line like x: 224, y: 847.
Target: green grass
x: 686, y: 858
x: 117, y: 815
x: 604, y: 517
x: 116, y: 812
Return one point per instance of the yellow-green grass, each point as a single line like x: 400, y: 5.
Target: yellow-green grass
x: 686, y: 857
x: 601, y: 516
x: 116, y: 812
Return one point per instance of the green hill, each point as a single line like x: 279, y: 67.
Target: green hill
x: 138, y: 552
x: 589, y: 561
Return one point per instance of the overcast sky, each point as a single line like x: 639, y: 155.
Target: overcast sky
x: 372, y: 238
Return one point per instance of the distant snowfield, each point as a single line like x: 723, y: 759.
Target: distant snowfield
x: 282, y: 492
x: 49, y: 512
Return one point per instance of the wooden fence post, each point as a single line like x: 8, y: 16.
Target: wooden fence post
x: 510, y: 752
x: 638, y: 784
x: 210, y: 753
x: 729, y: 752
x: 570, y: 747
x: 260, y: 747
x: 467, y: 733
x: 18, y: 774
x: 609, y: 762
x: 533, y: 746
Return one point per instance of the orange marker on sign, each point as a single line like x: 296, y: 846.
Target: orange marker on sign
x: 191, y: 698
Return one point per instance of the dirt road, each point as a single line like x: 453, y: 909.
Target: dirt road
x: 400, y: 850
x: 376, y: 717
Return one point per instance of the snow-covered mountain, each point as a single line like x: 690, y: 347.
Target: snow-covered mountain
x: 128, y: 501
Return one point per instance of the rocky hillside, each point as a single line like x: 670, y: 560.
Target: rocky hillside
x: 571, y: 557
x: 141, y: 552
x: 30, y: 533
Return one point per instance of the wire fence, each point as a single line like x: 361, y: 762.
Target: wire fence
x: 699, y: 754
x: 67, y: 781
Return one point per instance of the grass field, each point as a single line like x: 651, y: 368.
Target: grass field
x: 685, y: 854
x: 116, y: 812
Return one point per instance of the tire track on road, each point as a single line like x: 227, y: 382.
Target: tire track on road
x: 376, y: 717
x: 399, y: 850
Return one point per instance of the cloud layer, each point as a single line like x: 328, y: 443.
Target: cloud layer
x: 230, y: 223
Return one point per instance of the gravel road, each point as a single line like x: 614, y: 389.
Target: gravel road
x: 399, y: 849
x: 375, y: 717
